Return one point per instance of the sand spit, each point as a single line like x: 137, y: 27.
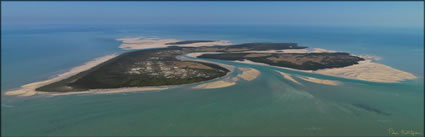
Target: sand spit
x: 319, y: 81
x: 369, y: 71
x: 289, y: 77
x: 248, y: 74
x: 146, y: 43
x: 29, y: 89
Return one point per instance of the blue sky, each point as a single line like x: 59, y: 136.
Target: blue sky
x: 400, y: 14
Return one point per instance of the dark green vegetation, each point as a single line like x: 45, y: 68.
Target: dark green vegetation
x: 154, y: 67
x: 189, y: 42
x: 303, y: 61
x: 158, y: 67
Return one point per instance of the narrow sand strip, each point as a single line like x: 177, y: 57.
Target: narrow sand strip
x: 320, y: 81
x: 289, y: 77
x: 108, y: 91
x: 29, y: 89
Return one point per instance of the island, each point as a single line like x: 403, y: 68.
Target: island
x: 155, y: 64
x: 159, y: 67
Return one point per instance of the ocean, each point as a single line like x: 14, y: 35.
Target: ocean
x: 268, y: 105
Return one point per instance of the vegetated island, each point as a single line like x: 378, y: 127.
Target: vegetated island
x: 158, y: 64
x: 159, y: 67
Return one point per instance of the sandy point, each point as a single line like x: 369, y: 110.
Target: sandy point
x: 29, y: 89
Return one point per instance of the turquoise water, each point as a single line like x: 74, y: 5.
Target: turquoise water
x: 269, y: 105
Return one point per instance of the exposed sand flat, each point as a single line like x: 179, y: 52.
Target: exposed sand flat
x: 320, y: 81
x: 248, y: 73
x: 369, y: 71
x: 146, y: 43
x: 289, y: 77
x: 29, y: 89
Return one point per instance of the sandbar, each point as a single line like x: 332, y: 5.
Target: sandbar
x: 248, y: 74
x: 319, y: 81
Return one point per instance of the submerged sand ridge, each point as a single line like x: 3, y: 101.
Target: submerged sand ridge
x: 289, y: 77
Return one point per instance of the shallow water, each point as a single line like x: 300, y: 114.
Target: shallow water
x: 268, y: 105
